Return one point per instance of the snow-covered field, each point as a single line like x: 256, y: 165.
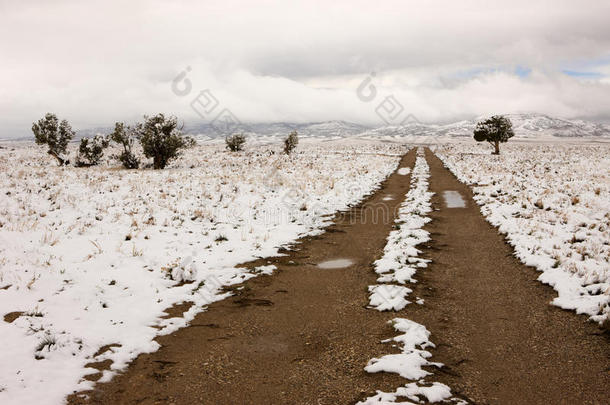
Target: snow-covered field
x: 553, y: 203
x: 91, y: 257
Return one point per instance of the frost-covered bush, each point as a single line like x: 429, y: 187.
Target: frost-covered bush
x: 56, y: 135
x: 494, y: 130
x: 125, y: 137
x: 236, y: 142
x: 161, y: 139
x: 291, y: 142
x: 91, y: 151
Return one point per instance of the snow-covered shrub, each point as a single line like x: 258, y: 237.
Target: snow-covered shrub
x: 56, y: 135
x: 291, y: 142
x: 125, y: 137
x: 236, y: 142
x: 161, y: 139
x: 91, y: 151
x: 494, y: 130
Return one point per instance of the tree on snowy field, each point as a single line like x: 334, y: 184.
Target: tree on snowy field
x: 494, y: 130
x: 236, y: 142
x: 125, y: 137
x: 56, y: 135
x: 291, y: 142
x: 91, y: 151
x: 161, y: 139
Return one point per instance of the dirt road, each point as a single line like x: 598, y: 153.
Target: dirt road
x: 303, y: 335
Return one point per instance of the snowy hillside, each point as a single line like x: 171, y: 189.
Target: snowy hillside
x: 525, y: 126
x: 279, y: 130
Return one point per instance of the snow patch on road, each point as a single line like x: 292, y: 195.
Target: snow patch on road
x: 397, y: 266
x: 400, y: 259
x: 335, y: 264
x: 409, y: 363
x: 453, y: 199
x: 435, y: 392
x: 388, y: 297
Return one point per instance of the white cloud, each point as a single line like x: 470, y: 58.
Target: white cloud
x: 98, y: 62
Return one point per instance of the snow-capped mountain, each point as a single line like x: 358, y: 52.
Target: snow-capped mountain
x: 524, y: 125
x: 532, y: 124
x: 282, y: 129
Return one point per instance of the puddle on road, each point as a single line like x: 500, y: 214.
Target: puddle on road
x: 389, y: 197
x: 453, y: 199
x: 403, y: 171
x: 335, y: 264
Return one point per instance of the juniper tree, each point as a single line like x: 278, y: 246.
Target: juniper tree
x: 494, y: 130
x: 56, y: 135
x: 236, y: 142
x: 126, y: 138
x: 161, y: 139
x: 91, y: 151
x: 291, y: 142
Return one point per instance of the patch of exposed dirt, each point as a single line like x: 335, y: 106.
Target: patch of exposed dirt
x: 12, y: 316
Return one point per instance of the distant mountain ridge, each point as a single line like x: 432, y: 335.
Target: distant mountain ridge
x: 311, y: 129
x: 525, y: 126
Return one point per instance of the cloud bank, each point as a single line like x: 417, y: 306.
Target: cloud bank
x: 98, y: 62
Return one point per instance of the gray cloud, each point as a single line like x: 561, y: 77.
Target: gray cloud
x: 98, y: 62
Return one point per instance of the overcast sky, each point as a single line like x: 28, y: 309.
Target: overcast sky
x: 95, y: 63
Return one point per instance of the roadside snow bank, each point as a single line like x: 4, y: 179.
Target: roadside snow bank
x: 92, y: 258
x: 553, y: 204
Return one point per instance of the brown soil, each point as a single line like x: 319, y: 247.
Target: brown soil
x: 491, y: 319
x: 302, y: 335
x: 12, y: 316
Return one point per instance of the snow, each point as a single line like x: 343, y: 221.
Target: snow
x: 553, y: 204
x: 95, y: 256
x: 335, y: 264
x: 409, y: 363
x: 387, y: 297
x: 398, y: 265
x: 436, y: 392
x: 453, y: 199
x: 413, y: 341
x: 400, y: 259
